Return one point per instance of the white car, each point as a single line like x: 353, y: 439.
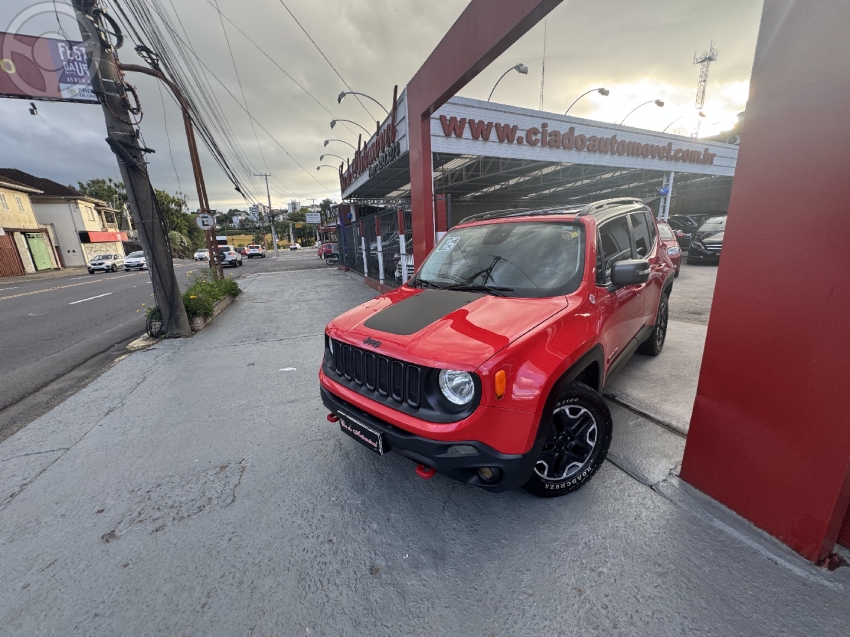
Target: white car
x: 202, y: 255
x: 228, y: 255
x: 294, y: 246
x: 135, y: 261
x: 105, y: 263
x: 255, y: 250
x: 411, y: 270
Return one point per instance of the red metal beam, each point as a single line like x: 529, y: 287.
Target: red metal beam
x: 485, y: 30
x: 769, y: 434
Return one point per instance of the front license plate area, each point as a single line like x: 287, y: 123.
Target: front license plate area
x: 365, y: 435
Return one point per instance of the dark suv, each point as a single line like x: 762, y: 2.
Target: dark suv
x: 487, y: 366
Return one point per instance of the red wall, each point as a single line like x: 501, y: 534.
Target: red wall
x: 770, y: 431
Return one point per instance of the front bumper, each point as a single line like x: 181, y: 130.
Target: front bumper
x: 514, y: 469
x: 697, y: 255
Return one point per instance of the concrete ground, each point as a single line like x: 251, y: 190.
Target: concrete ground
x: 665, y: 386
x: 198, y: 490
x: 61, y: 329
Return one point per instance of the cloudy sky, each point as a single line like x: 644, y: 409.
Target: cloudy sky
x: 638, y: 49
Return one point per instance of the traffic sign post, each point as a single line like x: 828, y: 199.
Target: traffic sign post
x: 206, y: 222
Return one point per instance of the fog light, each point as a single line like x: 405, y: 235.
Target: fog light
x: 490, y: 474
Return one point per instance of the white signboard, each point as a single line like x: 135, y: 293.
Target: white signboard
x: 314, y: 217
x: 464, y: 126
x: 205, y: 221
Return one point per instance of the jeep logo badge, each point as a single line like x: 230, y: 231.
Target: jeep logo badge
x: 371, y: 341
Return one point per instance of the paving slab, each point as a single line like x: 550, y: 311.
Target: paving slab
x: 198, y: 490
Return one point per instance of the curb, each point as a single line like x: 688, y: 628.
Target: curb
x: 199, y: 323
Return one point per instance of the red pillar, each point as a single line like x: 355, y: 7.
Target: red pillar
x: 485, y: 30
x: 770, y: 431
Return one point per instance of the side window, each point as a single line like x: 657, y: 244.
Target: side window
x: 20, y: 203
x: 614, y: 245
x: 3, y: 204
x: 653, y: 230
x: 643, y: 238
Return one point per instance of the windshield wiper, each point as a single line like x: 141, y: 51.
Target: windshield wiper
x: 423, y: 283
x: 495, y: 290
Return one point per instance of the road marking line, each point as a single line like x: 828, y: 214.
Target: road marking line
x: 90, y: 298
x: 4, y: 289
x: 58, y: 287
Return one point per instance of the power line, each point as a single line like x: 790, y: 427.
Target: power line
x: 282, y: 70
x: 371, y: 117
x: 168, y: 137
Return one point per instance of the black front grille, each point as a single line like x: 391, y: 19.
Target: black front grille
x: 388, y: 377
x: 370, y: 370
x: 398, y: 380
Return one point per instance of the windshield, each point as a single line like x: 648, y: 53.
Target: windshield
x: 713, y: 224
x: 102, y: 257
x: 665, y: 232
x: 202, y: 251
x: 253, y: 247
x: 135, y: 255
x: 519, y: 259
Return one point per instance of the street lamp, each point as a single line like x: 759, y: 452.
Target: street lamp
x: 519, y: 68
x: 658, y: 103
x: 328, y: 141
x: 602, y: 91
x: 342, y: 95
x: 320, y: 166
x: 321, y: 157
x: 699, y: 114
x: 334, y: 121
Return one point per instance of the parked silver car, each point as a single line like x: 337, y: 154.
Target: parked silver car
x: 106, y: 263
x: 228, y: 255
x: 135, y: 261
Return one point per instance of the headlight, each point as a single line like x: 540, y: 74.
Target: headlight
x: 697, y: 245
x: 330, y: 345
x: 673, y: 251
x: 457, y: 387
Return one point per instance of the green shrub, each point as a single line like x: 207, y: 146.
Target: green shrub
x: 200, y: 298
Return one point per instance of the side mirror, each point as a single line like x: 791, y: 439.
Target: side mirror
x: 629, y: 272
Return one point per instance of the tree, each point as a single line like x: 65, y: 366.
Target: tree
x: 173, y: 209
x: 108, y: 190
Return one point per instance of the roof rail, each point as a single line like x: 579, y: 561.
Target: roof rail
x: 591, y: 208
x: 518, y: 212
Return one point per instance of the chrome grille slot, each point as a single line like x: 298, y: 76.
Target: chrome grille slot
x: 413, y: 385
x: 383, y: 376
x: 398, y: 380
x: 369, y: 370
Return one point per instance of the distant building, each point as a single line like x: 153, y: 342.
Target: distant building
x: 293, y: 206
x: 82, y: 226
x: 26, y: 246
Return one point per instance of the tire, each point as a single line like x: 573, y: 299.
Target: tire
x: 655, y: 343
x: 676, y: 276
x: 577, y: 443
x: 114, y: 268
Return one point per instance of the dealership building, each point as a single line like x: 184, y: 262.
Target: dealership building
x: 486, y: 156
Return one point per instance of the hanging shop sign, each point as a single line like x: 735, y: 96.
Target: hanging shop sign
x: 377, y: 155
x: 44, y: 69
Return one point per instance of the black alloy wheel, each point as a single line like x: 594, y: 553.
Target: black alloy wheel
x: 655, y: 343
x: 576, y: 445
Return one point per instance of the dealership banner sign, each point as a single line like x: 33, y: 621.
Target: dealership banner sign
x: 44, y: 69
x: 464, y: 126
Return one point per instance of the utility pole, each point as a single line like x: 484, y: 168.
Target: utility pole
x: 123, y: 139
x: 271, y: 214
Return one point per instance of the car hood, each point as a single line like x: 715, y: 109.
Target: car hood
x: 715, y: 238
x: 438, y: 328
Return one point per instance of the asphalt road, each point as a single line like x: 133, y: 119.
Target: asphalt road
x: 58, y: 334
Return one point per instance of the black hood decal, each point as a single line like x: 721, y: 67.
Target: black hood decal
x: 419, y: 311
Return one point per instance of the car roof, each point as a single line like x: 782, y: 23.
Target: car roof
x: 600, y: 210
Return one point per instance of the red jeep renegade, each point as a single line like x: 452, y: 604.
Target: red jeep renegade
x: 488, y: 364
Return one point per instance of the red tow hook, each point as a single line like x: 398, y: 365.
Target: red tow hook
x: 333, y: 418
x: 425, y: 472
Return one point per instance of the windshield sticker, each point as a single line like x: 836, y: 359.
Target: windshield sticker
x: 449, y: 244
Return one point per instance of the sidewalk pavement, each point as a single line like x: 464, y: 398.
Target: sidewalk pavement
x: 197, y: 489
x: 49, y: 274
